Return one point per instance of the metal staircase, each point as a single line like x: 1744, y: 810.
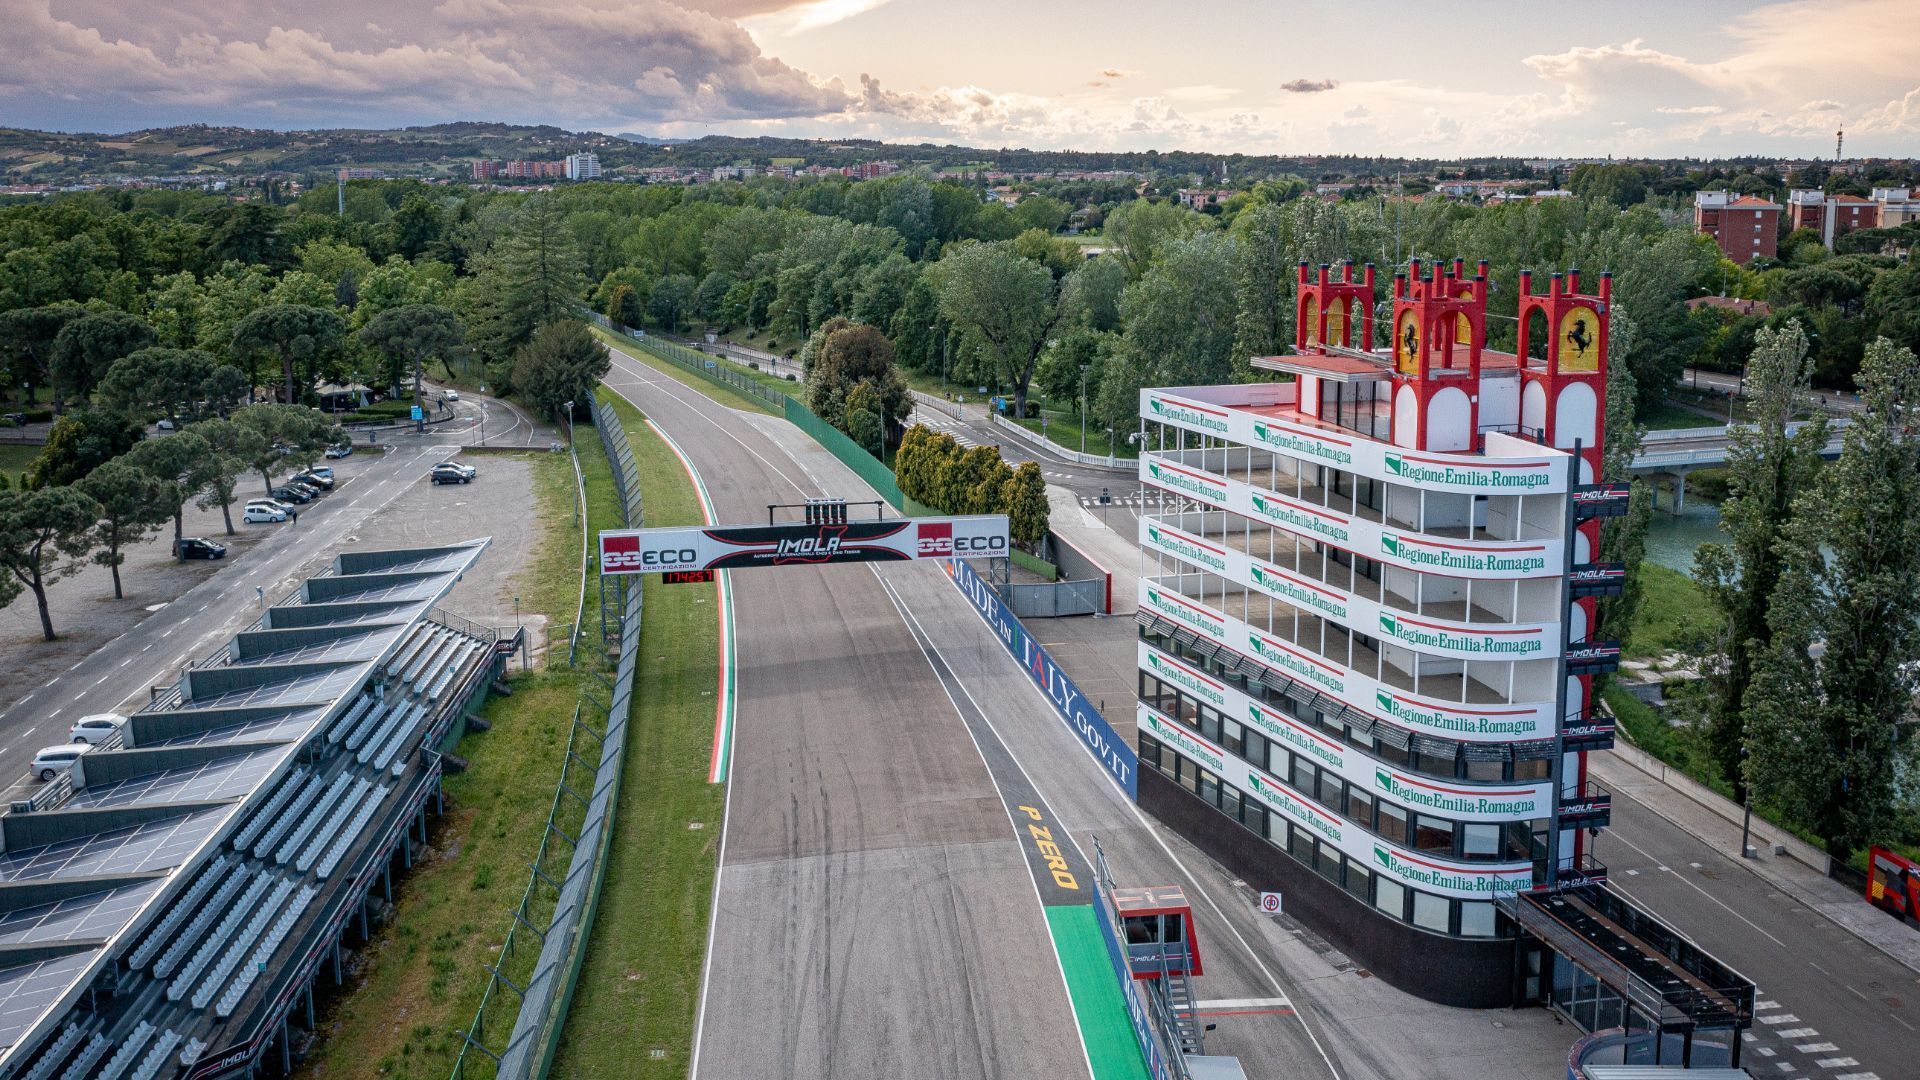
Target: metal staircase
x: 1178, y: 994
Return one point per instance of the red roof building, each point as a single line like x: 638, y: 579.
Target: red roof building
x: 1745, y: 227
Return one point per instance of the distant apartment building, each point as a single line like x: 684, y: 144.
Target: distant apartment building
x: 485, y: 170
x: 1201, y: 198
x: 583, y: 166
x: 363, y: 174
x: 533, y: 170
x: 869, y: 170
x: 1745, y: 226
x: 1834, y: 216
x: 1897, y: 206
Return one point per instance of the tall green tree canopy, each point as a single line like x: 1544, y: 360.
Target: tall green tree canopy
x: 563, y: 363
x: 87, y: 347
x: 43, y: 536
x: 294, y: 334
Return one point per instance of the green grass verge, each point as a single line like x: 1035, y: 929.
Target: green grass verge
x: 641, y: 981
x: 732, y: 399
x: 423, y: 974
x: 1063, y: 428
x: 14, y: 459
x: 1674, y: 614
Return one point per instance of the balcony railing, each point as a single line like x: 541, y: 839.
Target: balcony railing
x: 1590, y: 806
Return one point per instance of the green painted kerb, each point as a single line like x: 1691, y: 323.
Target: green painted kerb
x: 1104, y: 1026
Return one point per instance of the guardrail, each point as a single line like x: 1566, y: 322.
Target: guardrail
x: 1092, y: 461
x: 937, y: 404
x: 558, y: 912
x: 706, y: 367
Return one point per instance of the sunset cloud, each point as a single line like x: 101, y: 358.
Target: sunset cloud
x: 1308, y: 86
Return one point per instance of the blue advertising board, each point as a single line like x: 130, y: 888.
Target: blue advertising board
x: 1069, y: 704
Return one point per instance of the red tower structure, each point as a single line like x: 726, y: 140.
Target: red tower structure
x: 1327, y: 309
x: 1439, y: 330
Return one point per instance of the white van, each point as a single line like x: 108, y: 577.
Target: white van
x: 54, y: 760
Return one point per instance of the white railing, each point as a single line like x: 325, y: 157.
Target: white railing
x: 1093, y: 461
x: 936, y: 404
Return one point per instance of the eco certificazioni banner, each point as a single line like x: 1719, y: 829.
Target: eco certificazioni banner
x: 1541, y: 472
x: 1474, y: 881
x: 1422, y: 633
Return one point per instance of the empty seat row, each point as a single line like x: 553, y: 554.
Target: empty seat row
x: 235, y: 879
x: 402, y: 720
x: 263, y: 919
x: 56, y: 1052
x: 409, y: 650
x: 427, y: 657
x: 345, y: 721
x: 455, y: 663
x: 343, y: 842
x: 129, y: 1052
x: 221, y: 938
x: 276, y: 933
x: 289, y: 785
x: 310, y: 790
x: 323, y: 809
x: 320, y: 840
x: 90, y: 1055
x: 157, y: 1057
x: 371, y: 722
x: 209, y: 877
x: 390, y: 749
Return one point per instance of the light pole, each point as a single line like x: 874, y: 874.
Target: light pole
x: 1746, y: 815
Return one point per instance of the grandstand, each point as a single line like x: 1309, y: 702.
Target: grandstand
x: 168, y: 910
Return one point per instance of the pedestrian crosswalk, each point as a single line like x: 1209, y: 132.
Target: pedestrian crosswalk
x: 1794, y: 1053
x: 947, y: 425
x: 1129, y: 499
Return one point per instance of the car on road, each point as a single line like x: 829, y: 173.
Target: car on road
x: 293, y: 494
x: 54, y: 760
x: 457, y: 467
x: 314, y: 478
x: 95, y: 729
x: 17, y: 419
x: 199, y: 547
x: 441, y: 474
x: 340, y: 450
x: 165, y: 424
x: 260, y: 512
x: 451, y: 395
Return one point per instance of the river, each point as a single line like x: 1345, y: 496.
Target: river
x: 1672, y: 539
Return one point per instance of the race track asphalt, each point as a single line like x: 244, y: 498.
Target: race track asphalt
x: 875, y: 917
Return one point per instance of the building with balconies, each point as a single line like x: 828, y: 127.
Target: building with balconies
x: 1365, y: 655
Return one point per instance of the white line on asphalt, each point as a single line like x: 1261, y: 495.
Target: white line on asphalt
x: 1783, y: 1018
x: 1837, y: 1063
x: 1698, y: 889
x: 1819, y: 969
x: 1797, y: 1033
x: 1243, y: 1003
x: 169, y: 632
x: 27, y: 732
x: 1816, y: 1048
x: 55, y: 679
x: 1763, y: 1006
x: 56, y: 712
x: 1857, y: 994
x: 26, y: 699
x: 125, y: 662
x: 1332, y: 1069
x: 101, y: 679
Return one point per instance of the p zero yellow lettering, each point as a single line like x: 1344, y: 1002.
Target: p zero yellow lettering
x: 1032, y: 813
x: 1050, y: 851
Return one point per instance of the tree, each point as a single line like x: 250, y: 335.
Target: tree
x: 158, y: 380
x: 1832, y: 735
x: 26, y: 340
x: 532, y: 276
x: 1180, y: 315
x: 410, y: 336
x: 232, y: 447
x: 1769, y: 468
x: 1139, y: 229
x: 285, y: 438
x: 178, y: 465
x: 292, y: 333
x: 130, y: 509
x: 563, y: 363
x: 850, y: 355
x: 87, y: 347
x: 1023, y: 497
x: 1009, y: 304
x: 78, y: 444
x: 43, y: 535
x: 1623, y: 540
x: 672, y: 296
x: 623, y: 305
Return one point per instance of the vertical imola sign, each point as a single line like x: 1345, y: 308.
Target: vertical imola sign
x: 1086, y: 723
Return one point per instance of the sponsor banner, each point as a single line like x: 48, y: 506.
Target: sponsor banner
x: 1490, y: 559
x: 1069, y: 704
x: 1473, y: 881
x: 1541, y: 473
x: 1453, y: 720
x: 732, y: 547
x: 1457, y: 800
x: 1437, y: 637
x: 1112, y: 932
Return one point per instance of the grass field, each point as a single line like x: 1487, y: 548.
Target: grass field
x: 1674, y: 614
x: 641, y: 981
x: 14, y: 459
x: 722, y: 394
x: 423, y: 974
x: 1064, y: 429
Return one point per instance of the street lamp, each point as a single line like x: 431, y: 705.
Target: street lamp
x: 1083, y: 410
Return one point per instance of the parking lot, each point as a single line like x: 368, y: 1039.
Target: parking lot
x: 113, y: 651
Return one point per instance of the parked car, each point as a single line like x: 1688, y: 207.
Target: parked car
x: 457, y: 467
x: 199, y: 547
x: 301, y: 483
x: 324, y: 472
x: 340, y: 450
x: 443, y: 475
x: 314, y: 479
x: 292, y: 494
x: 165, y: 424
x: 54, y: 760
x: 94, y: 729
x: 18, y: 419
x: 259, y: 512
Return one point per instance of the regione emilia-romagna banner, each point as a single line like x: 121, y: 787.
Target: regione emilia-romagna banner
x: 739, y: 547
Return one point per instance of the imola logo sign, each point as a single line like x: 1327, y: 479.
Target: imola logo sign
x: 1462, y: 476
x: 741, y: 547
x: 1301, y: 445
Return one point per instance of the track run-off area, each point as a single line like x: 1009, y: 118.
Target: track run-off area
x: 884, y: 905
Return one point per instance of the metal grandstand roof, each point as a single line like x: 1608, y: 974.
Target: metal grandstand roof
x: 93, y: 861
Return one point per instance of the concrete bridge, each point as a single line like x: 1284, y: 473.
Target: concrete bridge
x: 1673, y: 454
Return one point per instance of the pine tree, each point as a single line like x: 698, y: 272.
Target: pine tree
x: 1830, y: 734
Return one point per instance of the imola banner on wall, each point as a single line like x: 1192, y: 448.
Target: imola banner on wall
x: 738, y: 547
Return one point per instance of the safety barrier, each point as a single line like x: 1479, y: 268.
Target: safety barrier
x: 1091, y: 461
x: 850, y: 453
x: 700, y: 364
x: 936, y: 404
x: 558, y: 912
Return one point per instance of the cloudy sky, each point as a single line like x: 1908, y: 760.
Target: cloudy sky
x: 1625, y: 77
